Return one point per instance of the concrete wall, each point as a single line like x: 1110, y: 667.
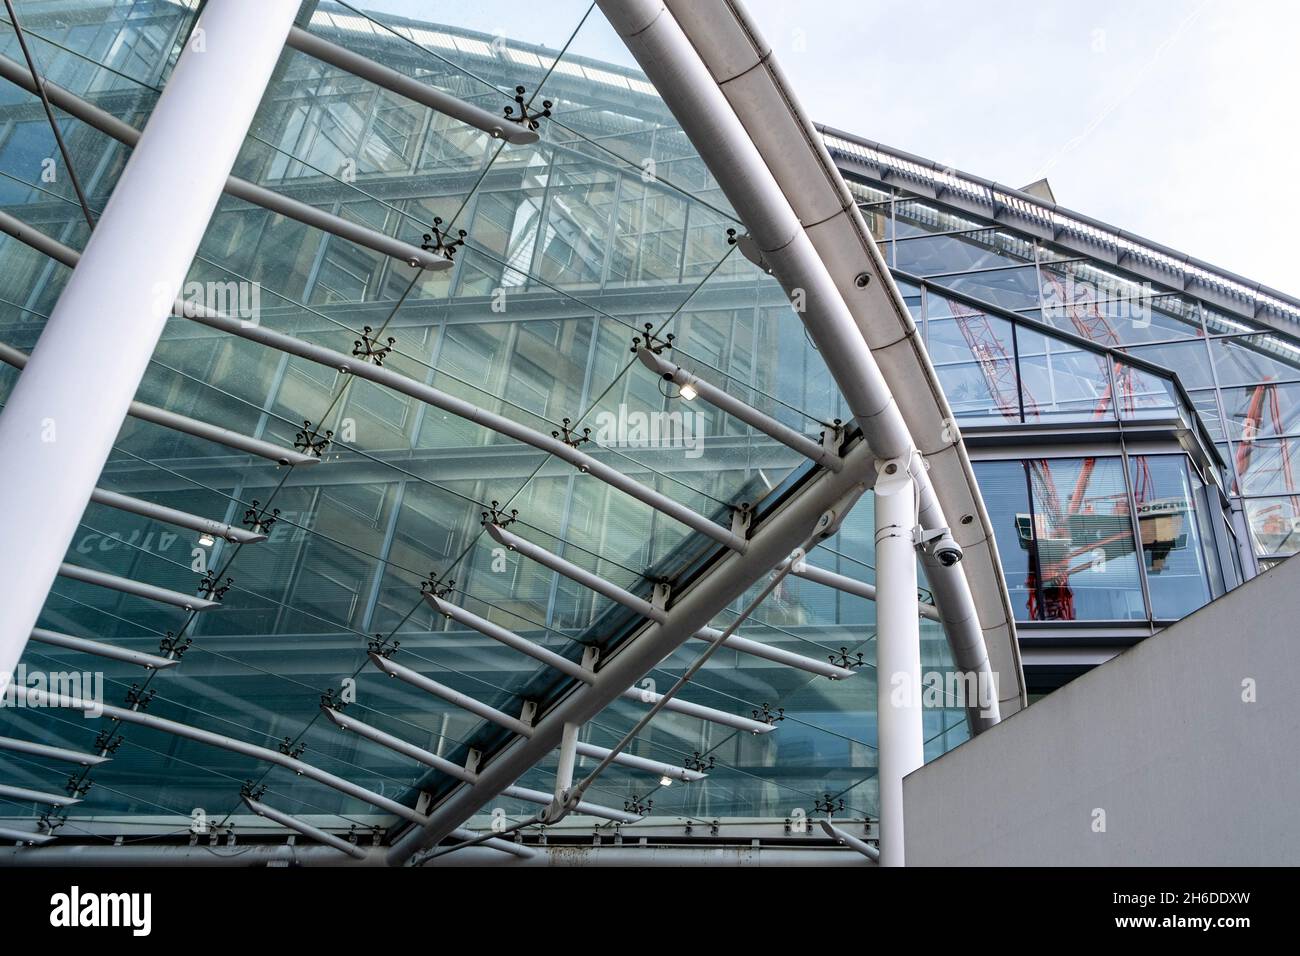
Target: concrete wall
x: 1159, y: 738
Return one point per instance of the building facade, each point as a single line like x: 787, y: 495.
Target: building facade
x: 1130, y: 414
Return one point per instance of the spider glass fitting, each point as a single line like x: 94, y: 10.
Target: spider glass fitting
x: 434, y: 584
x: 698, y: 763
x: 139, y: 698
x: 77, y: 787
x: 651, y: 341
x: 636, y: 806
x: 368, y: 347
x: 769, y: 716
x: 529, y: 119
x: 260, y: 521
x: 495, y: 515
x: 383, y: 646
x: 251, y: 792
x: 828, y: 805
x: 309, y: 440
x: 172, y: 647
x: 570, y: 435
x: 437, y: 241
x: 844, y: 659
x: 289, y: 750
x: 211, y: 590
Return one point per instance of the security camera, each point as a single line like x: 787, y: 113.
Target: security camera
x: 947, y: 550
x: 939, y: 543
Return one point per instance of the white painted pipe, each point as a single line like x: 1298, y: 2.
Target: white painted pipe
x: 900, y: 733
x: 64, y: 413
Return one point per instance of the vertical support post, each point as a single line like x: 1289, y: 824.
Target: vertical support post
x: 63, y: 416
x: 900, y: 740
x: 568, y: 759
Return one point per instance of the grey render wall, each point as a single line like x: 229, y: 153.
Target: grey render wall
x: 1159, y: 738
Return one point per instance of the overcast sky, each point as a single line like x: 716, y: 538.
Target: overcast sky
x: 1176, y: 120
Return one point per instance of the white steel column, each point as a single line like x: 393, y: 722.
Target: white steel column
x: 65, y: 412
x: 900, y: 740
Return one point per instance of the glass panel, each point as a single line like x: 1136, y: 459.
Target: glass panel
x: 1262, y: 411
x: 1172, y: 549
x: 1061, y: 381
x: 1274, y: 524
x: 974, y: 354
x: 1268, y: 467
x: 1253, y: 359
x: 1188, y: 360
x: 1005, y: 490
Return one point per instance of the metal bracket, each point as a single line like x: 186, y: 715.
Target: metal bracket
x: 471, y: 760
x: 257, y: 520
x: 250, y: 791
x: 385, y: 647
x: 828, y: 806
x: 528, y: 712
x: 211, y: 590
x: 368, y: 347
x: 698, y: 763
x: 171, y: 646
x: 742, y: 515
x: 436, y: 240
x: 527, y: 118
x: 433, y: 584
x: 749, y: 249
x: 590, y: 656
x: 494, y: 515
x: 636, y: 806
x: 138, y: 697
x: 832, y: 438
x: 651, y: 341
x: 844, y: 659
x: 662, y: 592
x: 309, y: 440
x: 570, y: 436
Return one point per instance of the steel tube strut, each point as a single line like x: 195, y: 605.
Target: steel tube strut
x: 25, y: 836
x: 737, y: 409
x: 900, y: 734
x: 498, y: 127
x: 223, y: 742
x: 150, y: 592
x: 301, y: 212
x: 182, y: 519
x: 23, y: 795
x: 771, y: 542
x: 455, y: 771
x: 849, y: 840
x: 99, y: 649
x: 306, y: 829
x: 419, y: 391
x: 573, y: 669
x: 514, y: 724
x: 672, y: 63
x: 650, y: 698
x: 48, y: 752
x: 842, y: 582
x: 151, y: 413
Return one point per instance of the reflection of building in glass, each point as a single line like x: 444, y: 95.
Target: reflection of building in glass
x: 1132, y: 417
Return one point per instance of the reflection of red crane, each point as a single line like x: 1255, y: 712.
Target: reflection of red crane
x: 1052, y: 559
x: 1271, y: 520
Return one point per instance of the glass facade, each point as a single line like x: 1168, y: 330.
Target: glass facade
x: 608, y: 225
